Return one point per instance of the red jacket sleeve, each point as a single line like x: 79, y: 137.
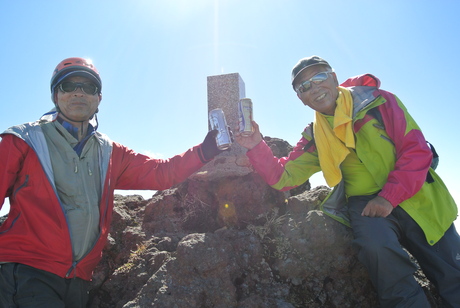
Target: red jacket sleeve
x: 265, y: 163
x: 413, y: 156
x: 12, y: 153
x: 137, y: 171
x: 287, y: 172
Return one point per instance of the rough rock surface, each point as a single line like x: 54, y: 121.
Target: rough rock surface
x: 289, y: 256
x: 231, y: 242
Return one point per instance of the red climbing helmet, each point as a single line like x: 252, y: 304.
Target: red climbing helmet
x: 75, y: 67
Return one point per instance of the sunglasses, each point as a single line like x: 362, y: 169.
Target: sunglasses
x: 317, y: 79
x: 69, y: 86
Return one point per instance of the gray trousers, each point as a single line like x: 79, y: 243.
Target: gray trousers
x: 379, y: 240
x: 23, y: 286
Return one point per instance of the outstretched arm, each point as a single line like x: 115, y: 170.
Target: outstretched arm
x: 281, y: 173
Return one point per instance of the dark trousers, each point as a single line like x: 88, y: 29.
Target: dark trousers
x: 23, y: 286
x: 379, y: 240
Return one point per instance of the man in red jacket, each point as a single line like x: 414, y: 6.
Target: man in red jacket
x: 60, y: 174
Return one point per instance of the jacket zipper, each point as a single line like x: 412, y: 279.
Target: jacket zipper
x: 12, y: 224
x: 22, y: 185
x: 72, y: 268
x: 75, y: 263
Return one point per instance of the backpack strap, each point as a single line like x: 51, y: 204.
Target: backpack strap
x: 312, y: 141
x: 434, y: 162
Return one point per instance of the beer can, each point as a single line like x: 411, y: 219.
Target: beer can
x: 245, y: 116
x: 218, y: 121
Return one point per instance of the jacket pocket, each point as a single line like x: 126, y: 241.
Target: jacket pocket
x: 387, y: 139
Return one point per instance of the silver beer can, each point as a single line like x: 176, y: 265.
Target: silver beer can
x: 218, y: 121
x: 245, y: 116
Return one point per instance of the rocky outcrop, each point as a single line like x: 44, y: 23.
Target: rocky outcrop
x: 289, y: 256
x: 227, y: 242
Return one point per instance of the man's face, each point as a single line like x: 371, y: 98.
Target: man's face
x: 77, y: 105
x: 320, y: 97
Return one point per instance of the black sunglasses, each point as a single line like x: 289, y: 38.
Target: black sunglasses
x: 69, y: 86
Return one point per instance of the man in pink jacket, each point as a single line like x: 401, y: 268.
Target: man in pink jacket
x: 373, y: 153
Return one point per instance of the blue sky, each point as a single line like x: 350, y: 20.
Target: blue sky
x: 154, y: 58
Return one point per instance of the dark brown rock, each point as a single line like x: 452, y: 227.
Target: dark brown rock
x: 231, y: 241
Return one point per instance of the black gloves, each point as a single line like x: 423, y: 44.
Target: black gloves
x: 209, y: 147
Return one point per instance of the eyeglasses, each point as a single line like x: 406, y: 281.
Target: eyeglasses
x: 317, y: 79
x: 69, y: 86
